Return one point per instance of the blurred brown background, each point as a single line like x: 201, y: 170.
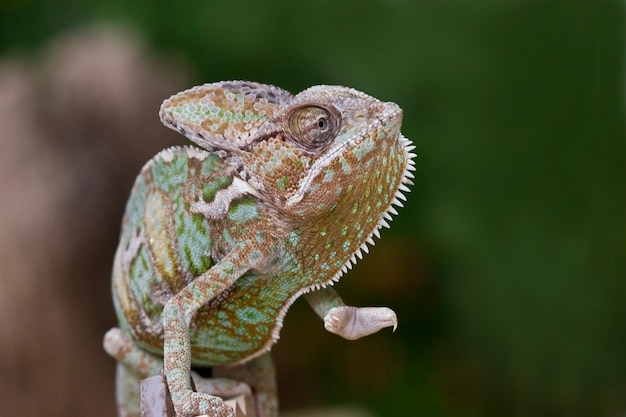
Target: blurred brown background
x: 506, y: 267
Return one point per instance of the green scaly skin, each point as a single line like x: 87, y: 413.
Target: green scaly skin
x: 216, y: 243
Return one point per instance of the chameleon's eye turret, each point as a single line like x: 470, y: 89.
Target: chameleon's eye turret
x: 313, y: 127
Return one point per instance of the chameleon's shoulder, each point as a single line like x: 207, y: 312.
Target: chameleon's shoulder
x: 182, y: 170
x: 179, y: 165
x: 181, y: 175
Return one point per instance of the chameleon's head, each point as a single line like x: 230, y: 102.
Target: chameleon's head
x: 306, y: 153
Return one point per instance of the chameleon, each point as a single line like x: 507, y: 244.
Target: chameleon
x: 276, y: 199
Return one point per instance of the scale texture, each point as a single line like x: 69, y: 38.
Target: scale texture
x: 278, y: 198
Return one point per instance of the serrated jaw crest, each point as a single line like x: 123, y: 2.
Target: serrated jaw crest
x: 406, y: 147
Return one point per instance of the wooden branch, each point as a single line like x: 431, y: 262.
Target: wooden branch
x: 155, y: 398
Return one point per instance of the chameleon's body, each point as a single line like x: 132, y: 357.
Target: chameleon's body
x: 218, y: 242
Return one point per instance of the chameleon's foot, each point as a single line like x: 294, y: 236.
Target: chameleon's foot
x: 355, y: 322
x: 192, y: 403
x: 117, y: 344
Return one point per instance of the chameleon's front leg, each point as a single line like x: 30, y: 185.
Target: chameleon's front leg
x: 177, y: 315
x: 346, y: 321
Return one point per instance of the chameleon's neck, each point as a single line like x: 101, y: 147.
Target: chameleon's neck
x: 343, y: 213
x: 328, y: 241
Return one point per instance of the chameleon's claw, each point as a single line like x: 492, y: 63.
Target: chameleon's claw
x: 355, y: 322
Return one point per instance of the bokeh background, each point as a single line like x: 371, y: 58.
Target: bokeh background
x: 507, y: 266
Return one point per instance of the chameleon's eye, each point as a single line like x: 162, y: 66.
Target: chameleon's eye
x: 322, y: 123
x: 313, y: 127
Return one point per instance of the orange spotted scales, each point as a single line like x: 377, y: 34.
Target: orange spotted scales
x: 278, y: 198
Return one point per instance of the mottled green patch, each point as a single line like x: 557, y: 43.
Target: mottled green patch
x: 367, y: 146
x: 282, y: 182
x: 213, y: 186
x: 227, y: 237
x: 135, y: 206
x: 293, y: 239
x: 345, y: 166
x: 254, y: 256
x: 189, y: 111
x: 211, y: 164
x: 243, y: 210
x: 249, y: 315
x: 170, y: 176
x: 223, y: 318
x: 194, y: 241
x: 140, y: 270
x: 142, y: 276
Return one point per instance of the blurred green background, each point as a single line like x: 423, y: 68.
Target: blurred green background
x: 507, y: 267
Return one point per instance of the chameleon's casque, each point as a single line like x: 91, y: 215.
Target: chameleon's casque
x: 282, y: 195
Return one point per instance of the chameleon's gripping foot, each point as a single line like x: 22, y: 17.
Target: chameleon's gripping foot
x: 355, y: 322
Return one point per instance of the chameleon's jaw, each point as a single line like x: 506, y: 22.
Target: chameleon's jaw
x: 405, y: 181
